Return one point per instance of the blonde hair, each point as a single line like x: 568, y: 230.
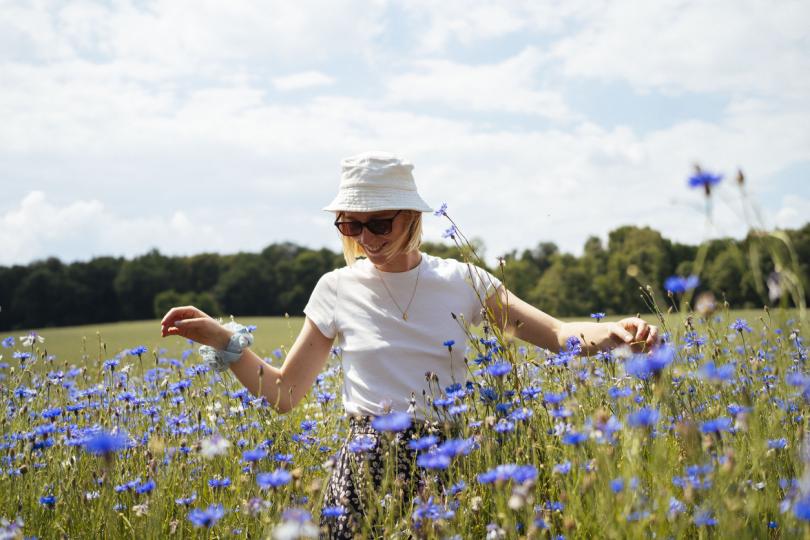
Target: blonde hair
x: 410, y: 241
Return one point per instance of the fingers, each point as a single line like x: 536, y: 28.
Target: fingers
x: 621, y: 333
x: 653, y: 337
x: 642, y: 329
x: 180, y: 327
x: 181, y: 312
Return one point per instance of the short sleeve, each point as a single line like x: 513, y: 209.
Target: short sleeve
x: 321, y: 306
x: 484, y: 285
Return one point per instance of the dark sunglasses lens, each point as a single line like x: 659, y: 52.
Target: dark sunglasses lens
x: 379, y: 226
x: 350, y: 228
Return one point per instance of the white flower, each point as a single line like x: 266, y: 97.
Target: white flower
x: 215, y: 446
x: 293, y: 530
x: 32, y: 337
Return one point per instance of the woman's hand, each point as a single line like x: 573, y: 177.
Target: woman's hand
x: 189, y: 322
x: 635, y: 332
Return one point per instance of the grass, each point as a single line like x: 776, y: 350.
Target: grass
x: 720, y: 457
x: 75, y: 342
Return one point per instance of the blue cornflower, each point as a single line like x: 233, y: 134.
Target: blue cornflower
x: 574, y: 438
x: 48, y: 500
x: 504, y: 426
x: 430, y: 511
x: 423, y: 443
x: 777, y: 444
x: 520, y: 414
x: 51, y: 413
x: 616, y: 393
x: 146, y: 487
x: 457, y: 409
x: 218, y: 483
x: 254, y: 455
x: 8, y: 342
x: 598, y: 316
x: 740, y: 325
x: 395, y: 421
x: 364, y: 443
x: 675, y: 507
x: 111, y: 364
x: 801, y: 509
x: 617, y: 485
x: 554, y: 399
x: 283, y: 458
x: 324, y: 397
x: 724, y: 373
x: 456, y: 447
x: 442, y: 210
x: 138, y: 351
x: 274, y: 479
x: 717, y: 425
x: 562, y: 468
x: 308, y: 425
x: 679, y: 284
x: 704, y: 518
x: 103, y: 443
x: 734, y: 409
x: 705, y: 180
x: 333, y: 511
x: 645, y: 417
x: 702, y: 178
x: 208, y: 517
x: 449, y: 344
x: 451, y: 232
x: 531, y: 392
x: 509, y: 471
x: 185, y: 501
x: 499, y: 369
x: 644, y: 366
x: 433, y: 460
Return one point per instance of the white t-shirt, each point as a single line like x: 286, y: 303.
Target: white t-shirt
x: 385, y: 358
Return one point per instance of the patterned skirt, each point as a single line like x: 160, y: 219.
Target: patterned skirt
x: 374, y: 472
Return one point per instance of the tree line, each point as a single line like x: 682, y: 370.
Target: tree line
x: 279, y: 279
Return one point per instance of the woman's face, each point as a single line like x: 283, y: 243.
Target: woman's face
x: 374, y: 244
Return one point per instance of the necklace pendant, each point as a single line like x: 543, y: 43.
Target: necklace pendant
x: 404, y: 316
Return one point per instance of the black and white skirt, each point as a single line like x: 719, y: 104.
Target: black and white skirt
x: 373, y: 479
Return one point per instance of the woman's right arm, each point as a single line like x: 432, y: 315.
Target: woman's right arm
x: 284, y: 387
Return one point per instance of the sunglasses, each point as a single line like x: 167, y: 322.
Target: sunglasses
x: 378, y: 226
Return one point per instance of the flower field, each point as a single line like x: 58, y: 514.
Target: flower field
x: 699, y: 438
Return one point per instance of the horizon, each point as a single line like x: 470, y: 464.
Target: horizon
x: 489, y: 258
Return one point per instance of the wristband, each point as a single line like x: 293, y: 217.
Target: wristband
x: 220, y: 359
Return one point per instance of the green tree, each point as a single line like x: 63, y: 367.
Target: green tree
x: 140, y: 279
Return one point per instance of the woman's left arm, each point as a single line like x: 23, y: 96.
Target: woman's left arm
x: 513, y: 315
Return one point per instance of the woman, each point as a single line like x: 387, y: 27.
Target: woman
x: 392, y: 312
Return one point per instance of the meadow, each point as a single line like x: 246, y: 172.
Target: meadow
x: 114, y: 432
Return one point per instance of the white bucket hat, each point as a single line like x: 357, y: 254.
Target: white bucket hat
x: 375, y: 181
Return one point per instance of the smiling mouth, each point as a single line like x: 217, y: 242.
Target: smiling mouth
x: 373, y: 251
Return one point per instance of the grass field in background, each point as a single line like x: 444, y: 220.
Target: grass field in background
x: 71, y: 343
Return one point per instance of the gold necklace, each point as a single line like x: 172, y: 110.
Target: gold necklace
x: 405, y: 311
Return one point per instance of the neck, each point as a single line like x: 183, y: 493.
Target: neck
x: 401, y: 263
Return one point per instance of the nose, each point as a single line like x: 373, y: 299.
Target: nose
x: 366, y: 236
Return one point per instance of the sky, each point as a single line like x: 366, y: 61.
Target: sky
x: 207, y: 126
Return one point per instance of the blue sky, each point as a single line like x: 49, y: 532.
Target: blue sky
x: 197, y: 126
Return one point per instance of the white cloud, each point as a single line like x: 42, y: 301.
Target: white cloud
x: 508, y: 86
x: 299, y: 81
x: 733, y: 46
x: 138, y: 122
x: 793, y: 213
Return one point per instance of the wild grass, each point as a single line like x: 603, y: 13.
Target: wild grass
x: 716, y: 452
